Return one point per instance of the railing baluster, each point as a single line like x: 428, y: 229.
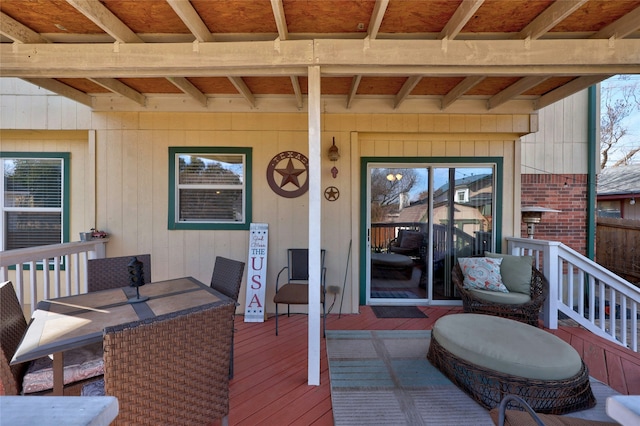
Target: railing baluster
x: 33, y: 270
x: 623, y: 323
x: 46, y: 284
x: 67, y: 276
x: 56, y: 276
x: 612, y: 312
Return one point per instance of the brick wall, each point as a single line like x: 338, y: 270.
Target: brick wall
x: 567, y: 193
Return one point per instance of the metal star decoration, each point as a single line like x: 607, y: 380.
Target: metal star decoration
x: 290, y: 174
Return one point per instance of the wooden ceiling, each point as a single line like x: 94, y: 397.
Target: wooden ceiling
x: 130, y: 53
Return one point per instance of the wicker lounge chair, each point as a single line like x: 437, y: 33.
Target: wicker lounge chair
x: 172, y: 370
x: 112, y: 272
x: 525, y: 312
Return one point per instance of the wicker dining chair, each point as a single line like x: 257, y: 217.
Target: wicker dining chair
x: 112, y: 272
x: 170, y: 370
x: 12, y: 327
x: 525, y: 312
x: 227, y: 278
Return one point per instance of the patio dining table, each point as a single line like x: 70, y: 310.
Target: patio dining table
x: 70, y: 322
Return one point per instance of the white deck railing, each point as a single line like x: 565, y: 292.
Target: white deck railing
x: 65, y: 275
x: 584, y: 291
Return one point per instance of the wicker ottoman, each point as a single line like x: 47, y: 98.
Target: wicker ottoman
x: 489, y: 357
x: 391, y: 266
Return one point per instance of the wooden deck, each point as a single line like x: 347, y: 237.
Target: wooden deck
x: 270, y: 381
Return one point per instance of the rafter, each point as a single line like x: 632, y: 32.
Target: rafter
x: 241, y: 86
x: 574, y: 86
x: 549, y: 18
x: 187, y: 87
x: 355, y: 82
x: 102, y: 17
x: 120, y: 88
x: 62, y: 89
x: 461, y: 16
x: 461, y: 88
x: 17, y: 32
x: 406, y: 89
x: 295, y: 82
x: 514, y: 90
x: 621, y: 28
x: 281, y: 21
x: 191, y: 19
x: 376, y: 17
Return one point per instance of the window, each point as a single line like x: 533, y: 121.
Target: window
x: 210, y: 188
x: 462, y: 195
x: 33, y: 198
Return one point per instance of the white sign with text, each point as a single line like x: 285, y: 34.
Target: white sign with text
x: 257, y: 273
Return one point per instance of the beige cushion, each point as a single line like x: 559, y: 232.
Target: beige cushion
x: 515, y: 271
x: 79, y: 364
x: 511, y: 298
x: 507, y: 346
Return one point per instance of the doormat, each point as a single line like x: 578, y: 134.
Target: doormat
x: 398, y: 312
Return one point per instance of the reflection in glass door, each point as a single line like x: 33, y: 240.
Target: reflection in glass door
x: 421, y: 220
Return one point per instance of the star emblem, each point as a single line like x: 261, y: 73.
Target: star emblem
x: 290, y: 174
x: 331, y: 193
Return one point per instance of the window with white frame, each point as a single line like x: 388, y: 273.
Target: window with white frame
x: 34, y: 199
x: 209, y: 188
x: 462, y: 195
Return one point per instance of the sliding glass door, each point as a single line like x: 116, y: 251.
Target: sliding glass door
x: 421, y: 219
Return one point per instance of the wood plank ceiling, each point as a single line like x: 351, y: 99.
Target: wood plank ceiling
x: 440, y: 51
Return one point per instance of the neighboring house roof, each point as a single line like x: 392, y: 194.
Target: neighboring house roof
x: 621, y: 180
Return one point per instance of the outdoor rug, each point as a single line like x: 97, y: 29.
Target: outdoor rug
x: 383, y: 378
x: 398, y: 312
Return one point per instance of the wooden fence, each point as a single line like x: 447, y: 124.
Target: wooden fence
x: 618, y: 247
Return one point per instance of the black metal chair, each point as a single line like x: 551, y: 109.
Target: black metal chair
x: 295, y: 291
x: 227, y: 278
x: 112, y: 272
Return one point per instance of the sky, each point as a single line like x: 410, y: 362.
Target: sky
x: 632, y: 122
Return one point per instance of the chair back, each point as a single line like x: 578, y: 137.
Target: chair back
x: 173, y: 369
x: 112, y: 272
x: 12, y: 327
x: 227, y: 276
x: 298, y: 263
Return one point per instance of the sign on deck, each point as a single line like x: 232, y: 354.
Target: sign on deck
x: 257, y: 273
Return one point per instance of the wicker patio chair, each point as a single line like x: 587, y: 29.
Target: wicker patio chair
x: 12, y: 327
x: 173, y: 369
x: 112, y: 272
x: 227, y: 278
x: 525, y: 312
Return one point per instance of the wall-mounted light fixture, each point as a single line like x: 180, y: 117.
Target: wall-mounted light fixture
x: 632, y: 201
x: 333, y: 156
x: 532, y: 215
x: 394, y: 176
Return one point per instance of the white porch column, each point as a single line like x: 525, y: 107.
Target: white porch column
x: 315, y: 194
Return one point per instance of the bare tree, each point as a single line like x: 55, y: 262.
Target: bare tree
x: 618, y: 102
x: 386, y: 187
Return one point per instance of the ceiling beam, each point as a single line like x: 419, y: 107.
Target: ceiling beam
x: 336, y: 57
x: 17, y: 32
x: 379, y: 10
x: 281, y: 21
x: 514, y: 90
x: 459, y: 19
x: 406, y: 89
x: 621, y: 28
x: 549, y: 18
x: 574, y: 86
x: 295, y: 82
x: 241, y: 86
x: 191, y: 19
x: 62, y: 89
x: 461, y: 88
x: 187, y: 87
x: 102, y: 17
x: 120, y: 88
x: 353, y: 90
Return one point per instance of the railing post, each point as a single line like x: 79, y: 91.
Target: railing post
x: 553, y: 275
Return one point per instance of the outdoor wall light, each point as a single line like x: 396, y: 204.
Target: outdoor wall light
x: 632, y: 201
x: 532, y: 215
x: 333, y: 156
